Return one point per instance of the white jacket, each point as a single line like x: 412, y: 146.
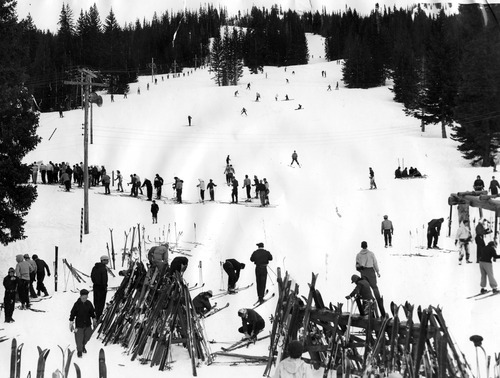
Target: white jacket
x: 293, y: 368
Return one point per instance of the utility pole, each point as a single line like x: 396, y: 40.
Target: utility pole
x: 88, y: 99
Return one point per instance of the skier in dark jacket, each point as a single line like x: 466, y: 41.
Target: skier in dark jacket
x: 232, y: 267
x: 99, y: 276
x: 261, y: 258
x: 158, y: 183
x: 9, y: 300
x: 202, y: 303
x: 234, y: 192
x: 252, y: 323
x: 149, y: 188
x: 482, y: 229
x: 362, y: 293
x: 83, y: 318
x: 486, y: 267
x: 494, y: 186
x: 178, y: 264
x: 433, y: 230
x: 398, y: 173
x: 478, y: 184
x: 154, y: 211
x: 42, y: 267
x: 210, y: 187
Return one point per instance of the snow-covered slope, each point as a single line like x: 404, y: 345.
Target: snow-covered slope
x: 322, y: 211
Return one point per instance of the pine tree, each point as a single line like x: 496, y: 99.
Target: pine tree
x: 17, y: 129
x: 217, y: 61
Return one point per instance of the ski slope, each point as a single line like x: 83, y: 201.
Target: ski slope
x: 322, y: 211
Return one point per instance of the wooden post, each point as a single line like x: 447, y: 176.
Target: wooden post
x: 56, y: 267
x: 449, y: 221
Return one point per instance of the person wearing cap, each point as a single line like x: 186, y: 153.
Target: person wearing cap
x: 82, y: 320
x: 367, y: 265
x: 9, y: 300
x: 362, y: 293
x: 33, y: 269
x: 261, y: 258
x: 463, y: 236
x: 23, y: 283
x: 232, y: 267
x: 201, y: 302
x: 41, y: 267
x: 387, y: 230
x: 293, y: 365
x: 99, y: 276
x: 252, y: 323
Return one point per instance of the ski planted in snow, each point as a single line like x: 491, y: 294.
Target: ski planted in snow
x: 42, y: 357
x: 102, y: 364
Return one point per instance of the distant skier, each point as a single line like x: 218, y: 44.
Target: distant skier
x: 329, y: 88
x: 178, y: 189
x: 286, y: 96
x: 261, y: 189
x: 362, y: 293
x: 464, y: 237
x: 189, y: 120
x: 228, y: 160
x: 158, y: 183
x: 267, y: 190
x: 433, y: 230
x: 106, y: 181
x: 494, y: 186
x: 244, y: 111
x: 99, y: 277
x: 248, y: 86
x: 61, y: 109
x: 387, y: 230
x: 294, y: 158
x: 149, y: 189
x: 482, y: 228
x: 229, y: 172
x: 299, y: 108
x: 210, y: 186
x: 119, y: 177
x: 252, y: 323
x: 232, y: 267
x: 236, y: 94
x: 337, y: 86
x: 201, y: 185
x: 367, y: 265
x: 234, y: 191
x: 478, y: 184
x: 373, y: 185
x: 397, y: 173
x: 256, y: 184
x: 404, y: 174
x: 154, y: 211
x: 84, y: 317
x: 201, y: 302
x: 247, y: 184
x: 41, y: 268
x: 257, y: 97
x: 10, y: 283
x: 486, y: 267
x: 66, y: 180
x: 133, y: 189
x: 261, y: 257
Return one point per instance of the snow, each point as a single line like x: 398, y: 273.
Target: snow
x: 323, y: 210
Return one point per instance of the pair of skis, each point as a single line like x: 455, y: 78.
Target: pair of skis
x: 260, y: 303
x: 485, y: 295
x: 245, y: 342
x: 235, y: 292
x: 215, y: 310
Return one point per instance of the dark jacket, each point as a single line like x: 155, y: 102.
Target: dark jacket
x: 252, y: 319
x: 488, y: 253
x: 261, y: 257
x: 154, y: 208
x: 363, y: 290
x: 41, y: 266
x: 201, y: 303
x: 176, y: 264
x: 83, y: 312
x: 435, y: 225
x: 237, y: 266
x: 10, y: 283
x: 99, y: 275
x: 478, y: 184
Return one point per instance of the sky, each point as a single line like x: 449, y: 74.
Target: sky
x: 45, y: 13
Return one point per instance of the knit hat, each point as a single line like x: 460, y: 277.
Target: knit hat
x: 84, y: 292
x: 295, y: 349
x: 11, y: 269
x: 104, y: 258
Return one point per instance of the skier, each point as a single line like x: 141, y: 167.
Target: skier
x: 106, y: 180
x: 252, y: 323
x: 387, y: 230
x: 82, y: 321
x: 261, y: 258
x: 234, y: 192
x: 362, y: 293
x: 261, y: 189
x: 247, y: 184
x: 299, y: 107
x: 228, y: 159
x: 478, y: 184
x: 244, y: 111
x: 201, y: 185
x: 464, y: 237
x: 329, y: 88
x: 293, y: 365
x: 337, y: 86
x: 373, y: 185
x: 138, y: 187
x: 66, y: 180
x: 158, y: 255
x: 154, y: 211
x: 494, y: 186
x: 248, y: 86
x: 294, y: 158
x: 211, y: 185
x: 201, y: 302
x: 61, y: 109
x: 189, y: 120
x: 9, y: 300
x: 133, y: 190
x: 229, y: 174
x: 232, y: 267
x: 236, y: 94
x: 149, y: 189
x: 41, y: 267
x: 99, y: 276
x: 404, y: 174
x: 398, y: 173
x: 367, y: 265
x: 257, y: 97
x: 119, y: 177
x: 433, y: 230
x: 256, y: 184
x: 158, y: 183
x: 178, y: 264
x: 267, y: 191
x: 482, y: 229
x: 23, y: 281
x: 486, y: 267
x: 33, y: 269
x: 178, y: 189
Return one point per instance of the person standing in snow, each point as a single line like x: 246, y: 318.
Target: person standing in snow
x: 367, y: 265
x: 247, y: 184
x: 201, y: 302
x: 494, y: 186
x: 294, y: 158
x: 433, y: 230
x: 478, y: 184
x: 99, y: 276
x: 293, y: 365
x: 211, y: 186
x: 154, y: 211
x: 229, y: 172
x: 234, y: 191
x: 252, y: 323
x: 261, y: 190
x: 82, y: 321
x: 362, y: 293
x: 189, y: 120
x: 149, y: 189
x: 138, y: 186
x: 464, y: 237
x: 33, y: 269
x: 119, y: 177
x: 261, y: 257
x: 201, y: 185
x: 9, y: 300
x: 178, y: 189
x: 244, y: 111
x: 106, y: 180
x: 373, y: 185
x: 256, y: 184
x: 23, y: 283
x: 133, y: 190
x: 41, y: 268
x: 232, y: 267
x: 158, y: 183
x: 267, y: 191
x: 66, y: 180
x: 387, y: 230
x: 486, y: 268
x: 482, y: 229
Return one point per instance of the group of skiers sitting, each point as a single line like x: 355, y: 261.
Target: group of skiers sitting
x: 405, y: 173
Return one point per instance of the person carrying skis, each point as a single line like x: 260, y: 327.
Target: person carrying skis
x: 154, y: 211
x: 494, y: 186
x: 232, y: 267
x: 158, y: 183
x: 387, y: 230
x: 201, y: 185
x: 41, y: 268
x: 210, y: 186
x: 433, y: 230
x: 464, y: 237
x: 201, y: 302
x: 261, y: 257
x: 99, y: 276
x: 252, y: 323
x: 9, y: 300
x: 367, y: 265
x: 373, y: 185
x: 293, y: 365
x: 362, y: 293
x: 82, y: 321
x: 486, y: 268
x: 294, y: 158
x: 247, y: 184
x: 149, y: 189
